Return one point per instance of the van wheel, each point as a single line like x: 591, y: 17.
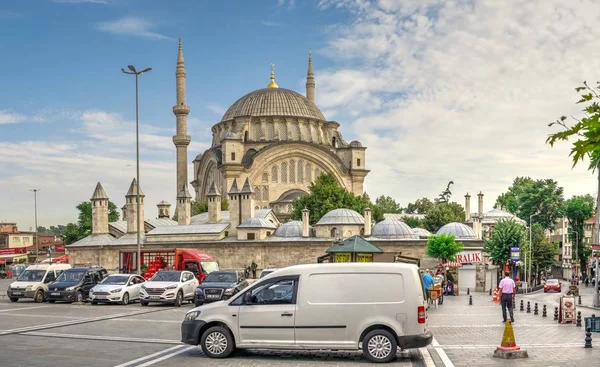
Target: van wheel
x: 39, y: 297
x: 13, y: 299
x: 178, y: 299
x: 79, y: 297
x: 217, y: 342
x: 379, y: 346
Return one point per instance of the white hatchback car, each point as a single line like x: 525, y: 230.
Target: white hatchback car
x: 117, y: 288
x: 169, y: 287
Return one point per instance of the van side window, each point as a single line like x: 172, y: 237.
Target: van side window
x: 50, y: 277
x: 276, y: 293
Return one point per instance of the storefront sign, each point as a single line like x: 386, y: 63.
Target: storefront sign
x: 467, y: 257
x: 59, y: 248
x: 343, y: 257
x: 515, y: 253
x: 567, y: 310
x: 13, y: 250
x: 365, y: 258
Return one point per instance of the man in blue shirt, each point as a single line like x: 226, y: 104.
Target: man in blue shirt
x: 427, y: 282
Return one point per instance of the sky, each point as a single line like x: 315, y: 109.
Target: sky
x: 437, y: 90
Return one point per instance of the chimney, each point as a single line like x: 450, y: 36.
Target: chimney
x: 367, y: 228
x: 184, y: 206
x: 124, y: 212
x: 234, y: 208
x: 246, y: 201
x: 467, y: 207
x: 305, y: 223
x: 480, y: 197
x: 163, y: 210
x: 131, y: 200
x: 99, y: 211
x: 214, y: 204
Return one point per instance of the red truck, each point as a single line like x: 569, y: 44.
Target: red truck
x: 198, y: 262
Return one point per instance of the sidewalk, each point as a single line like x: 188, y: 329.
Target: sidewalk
x: 587, y: 297
x: 468, y: 335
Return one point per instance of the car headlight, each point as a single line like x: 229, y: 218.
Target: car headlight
x: 192, y: 316
x: 143, y: 286
x: 171, y: 286
x: 70, y: 289
x: 29, y: 287
x: 228, y: 291
x: 116, y: 290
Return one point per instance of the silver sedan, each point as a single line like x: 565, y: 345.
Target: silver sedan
x: 117, y: 288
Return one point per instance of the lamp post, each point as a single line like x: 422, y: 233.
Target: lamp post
x: 37, y: 245
x: 576, y: 247
x: 530, y: 247
x: 137, y: 157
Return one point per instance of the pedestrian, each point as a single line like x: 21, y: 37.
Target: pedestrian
x: 253, y: 267
x: 508, y: 288
x: 427, y: 283
x: 449, y: 283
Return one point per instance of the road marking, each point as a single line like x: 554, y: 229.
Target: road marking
x: 427, y: 357
x: 487, y: 346
x: 39, y: 316
x: 444, y: 357
x: 154, y: 361
x: 498, y: 326
x: 105, y: 338
x: 141, y: 359
x: 152, y: 321
x: 23, y: 308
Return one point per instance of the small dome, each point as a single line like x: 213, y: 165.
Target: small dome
x: 421, y: 232
x: 392, y: 228
x: 256, y: 223
x: 341, y: 216
x: 459, y: 230
x: 292, y: 229
x: 355, y: 144
x: 163, y: 203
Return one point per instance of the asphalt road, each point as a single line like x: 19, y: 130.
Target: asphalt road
x: 42, y: 334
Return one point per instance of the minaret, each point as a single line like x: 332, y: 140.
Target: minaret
x: 310, y: 80
x: 247, y: 201
x: 181, y: 110
x: 131, y: 200
x: 467, y: 207
x: 99, y: 211
x: 214, y: 204
x: 184, y: 206
x: 234, y: 208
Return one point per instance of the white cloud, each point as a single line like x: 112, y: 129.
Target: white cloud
x: 216, y: 108
x: 11, y: 117
x: 460, y: 90
x: 81, y: 1
x: 268, y: 23
x: 131, y: 26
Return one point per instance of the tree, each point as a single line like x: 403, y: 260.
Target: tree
x: 543, y: 252
x: 445, y: 195
x: 84, y: 220
x: 387, y: 204
x: 71, y: 234
x: 199, y: 207
x: 506, y: 234
x: 578, y: 209
x: 442, y: 214
x: 443, y: 247
x: 413, y: 222
x: 527, y: 197
x: 420, y: 206
x: 326, y: 195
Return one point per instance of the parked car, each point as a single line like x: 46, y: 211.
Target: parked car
x: 117, y: 288
x: 266, y: 272
x: 375, y: 307
x: 169, y: 287
x: 74, y: 284
x: 552, y: 285
x: 33, y: 282
x: 219, y: 285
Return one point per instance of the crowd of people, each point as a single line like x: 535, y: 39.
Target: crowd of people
x: 445, y: 278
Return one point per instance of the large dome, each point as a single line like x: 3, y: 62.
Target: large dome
x: 459, y: 230
x: 341, y: 216
x: 392, y: 228
x: 273, y: 102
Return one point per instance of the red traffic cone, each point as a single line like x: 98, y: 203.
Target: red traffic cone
x: 508, y: 349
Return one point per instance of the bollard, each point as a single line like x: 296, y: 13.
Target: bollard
x: 470, y: 300
x: 535, y: 309
x: 468, y: 292
x: 522, y: 308
x: 579, y: 301
x: 528, y: 307
x: 555, y: 313
x: 578, y: 318
x: 490, y: 291
x: 588, y: 338
x: 544, y: 314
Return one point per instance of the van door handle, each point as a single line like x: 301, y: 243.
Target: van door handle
x: 287, y: 314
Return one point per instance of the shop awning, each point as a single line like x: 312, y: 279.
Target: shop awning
x: 452, y: 264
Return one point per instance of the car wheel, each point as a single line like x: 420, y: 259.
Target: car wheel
x: 13, y: 299
x: 79, y: 297
x: 178, y: 299
x: 217, y: 342
x: 143, y: 303
x: 379, y: 346
x: 39, y: 296
x: 125, y: 300
x: 94, y: 303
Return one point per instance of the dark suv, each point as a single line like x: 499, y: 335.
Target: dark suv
x: 73, y: 285
x: 218, y: 286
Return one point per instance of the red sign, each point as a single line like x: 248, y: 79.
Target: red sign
x: 595, y: 247
x: 13, y: 251
x: 59, y: 248
x: 467, y: 257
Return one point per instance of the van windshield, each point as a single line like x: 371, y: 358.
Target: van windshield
x: 210, y: 266
x: 31, y: 276
x: 71, y: 276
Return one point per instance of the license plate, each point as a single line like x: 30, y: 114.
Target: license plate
x: 101, y: 297
x: 55, y: 294
x: 17, y: 293
x: 213, y: 296
x: 154, y: 297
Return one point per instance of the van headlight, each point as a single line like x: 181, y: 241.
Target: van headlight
x: 29, y: 287
x: 70, y: 289
x: 192, y: 316
x: 228, y: 291
x: 116, y: 290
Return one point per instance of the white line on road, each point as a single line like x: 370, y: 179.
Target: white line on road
x: 167, y: 356
x: 427, y: 360
x: 447, y: 362
x: 23, y: 308
x: 515, y: 326
x: 126, y: 364
x: 104, y: 338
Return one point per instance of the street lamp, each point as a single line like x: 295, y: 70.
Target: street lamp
x: 37, y: 244
x: 530, y: 246
x: 137, y: 157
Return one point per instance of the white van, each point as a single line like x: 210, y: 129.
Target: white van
x: 375, y: 307
x: 33, y: 282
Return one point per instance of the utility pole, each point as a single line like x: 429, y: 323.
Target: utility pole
x: 37, y: 244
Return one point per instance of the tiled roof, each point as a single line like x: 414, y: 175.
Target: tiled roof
x: 191, y: 229
x: 96, y: 240
x: 341, y: 216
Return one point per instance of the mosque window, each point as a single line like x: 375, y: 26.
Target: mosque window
x: 295, y: 132
x: 317, y: 173
x: 300, y: 171
x: 257, y: 193
x: 266, y: 193
x: 270, y: 131
x: 274, y: 174
x: 257, y: 131
x: 233, y: 156
x: 358, y: 162
x: 308, y: 172
x: 246, y: 136
x: 250, y: 236
x: 284, y: 172
x: 334, y: 232
x: 334, y: 142
x: 265, y: 177
x: 282, y: 131
x: 304, y: 133
x: 292, y: 171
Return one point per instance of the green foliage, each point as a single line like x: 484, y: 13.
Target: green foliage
x: 527, y: 196
x: 443, y: 247
x: 52, y: 230
x: 506, y: 233
x: 74, y: 232
x: 413, y: 222
x: 445, y: 195
x: 578, y: 209
x: 71, y: 234
x: 198, y: 207
x: 543, y: 252
x: 420, y: 206
x: 326, y: 195
x: 441, y: 214
x: 387, y: 205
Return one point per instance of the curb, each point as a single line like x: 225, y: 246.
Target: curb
x: 589, y: 307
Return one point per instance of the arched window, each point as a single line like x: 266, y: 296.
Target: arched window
x: 282, y: 127
x: 270, y: 131
x: 317, y: 173
x: 300, y: 171
x: 308, y: 172
x: 257, y: 193
x: 334, y: 232
x: 265, y: 193
x: 274, y: 175
x: 265, y: 177
x: 334, y: 142
x: 246, y: 136
x: 257, y: 131
x: 292, y: 171
x: 304, y: 133
x: 284, y: 172
x: 295, y: 132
